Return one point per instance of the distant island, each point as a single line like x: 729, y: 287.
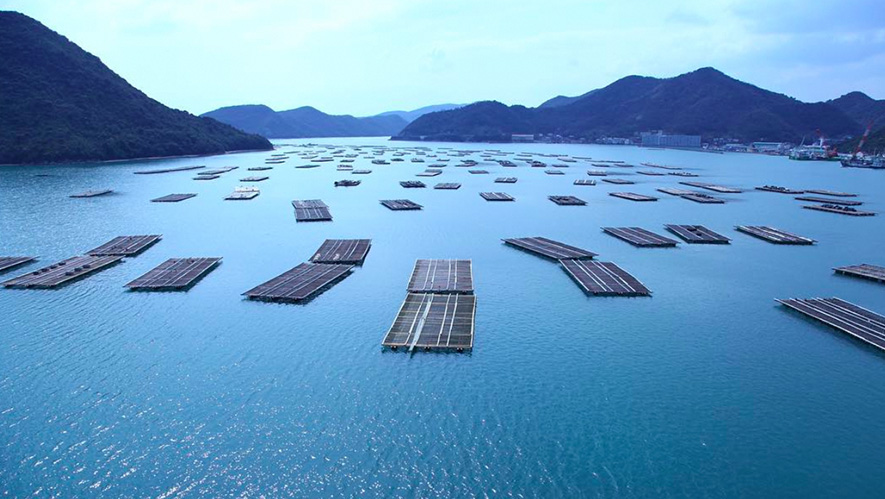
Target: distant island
x: 305, y: 122
x: 704, y: 102
x: 59, y: 103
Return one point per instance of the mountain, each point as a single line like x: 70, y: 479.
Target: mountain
x: 411, y: 116
x: 861, y: 108
x: 60, y: 103
x: 305, y: 122
x: 875, y: 143
x: 704, y: 102
x: 562, y: 100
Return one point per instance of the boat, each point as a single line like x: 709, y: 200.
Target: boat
x: 874, y: 162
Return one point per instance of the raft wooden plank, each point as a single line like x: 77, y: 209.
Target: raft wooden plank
x: 700, y: 197
x: 773, y: 235
x: 632, y: 196
x: 864, y: 270
x: 347, y: 183
x: 442, y: 276
x: 62, y: 272
x: 496, y: 196
x: 842, y: 202
x: 549, y: 248
x: 253, y: 179
x: 447, y: 186
x: 172, y: 198
x: 567, y: 200
x: 311, y: 210
x: 603, y: 278
x: 618, y: 181
x: 429, y: 321
x: 168, y: 170
x: 125, y: 245
x: 429, y: 173
x: 825, y: 192
x: 11, y: 262
x: 697, y: 234
x: 400, y: 204
x: 412, y: 184
x: 554, y: 172
x: 778, y: 189
x: 581, y: 181
x: 675, y: 192
x: 352, y: 251
x: 92, y: 194
x: 242, y: 195
x: 846, y: 317
x: 300, y: 283
x: 841, y: 210
x: 640, y: 237
x: 478, y: 172
x: 175, y: 274
x: 713, y: 187
x: 505, y: 180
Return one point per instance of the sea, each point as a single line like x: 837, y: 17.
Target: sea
x: 708, y: 388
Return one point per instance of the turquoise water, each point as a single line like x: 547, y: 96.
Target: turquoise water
x: 706, y: 389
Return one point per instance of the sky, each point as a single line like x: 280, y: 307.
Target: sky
x: 364, y: 57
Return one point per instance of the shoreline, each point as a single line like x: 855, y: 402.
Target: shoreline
x: 127, y: 160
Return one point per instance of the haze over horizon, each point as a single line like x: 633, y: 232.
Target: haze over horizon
x: 363, y: 59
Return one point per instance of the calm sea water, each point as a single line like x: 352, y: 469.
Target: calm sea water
x: 706, y: 389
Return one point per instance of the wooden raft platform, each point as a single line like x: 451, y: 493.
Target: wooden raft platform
x: 450, y: 186
x: 618, y: 181
x: 311, y: 210
x: 697, y: 234
x: 352, y: 251
x: 554, y: 172
x: 442, y: 276
x: 172, y: 198
x: 841, y: 210
x: 168, y: 170
x: 864, y: 270
x: 347, y: 183
x: 11, y: 262
x: 125, y: 246
x: 773, y: 235
x: 62, y: 272
x: 713, y: 187
x: 300, y: 283
x: 254, y: 179
x: 549, y: 248
x: 433, y: 322
x: 825, y: 192
x: 851, y: 319
x: 497, y: 196
x: 92, y: 194
x: 567, y: 200
x: 412, y: 184
x: 175, y: 274
x: 400, y: 204
x: 632, y: 196
x: 700, y: 197
x: 815, y: 199
x: 505, y: 180
x: 603, y: 278
x: 581, y: 181
x: 778, y: 189
x: 640, y: 237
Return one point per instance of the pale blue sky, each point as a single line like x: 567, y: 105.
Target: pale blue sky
x: 363, y: 57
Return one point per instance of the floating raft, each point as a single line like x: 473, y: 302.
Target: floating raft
x: 496, y: 196
x: 218, y: 171
x: 243, y: 194
x: 62, y: 272
x: 700, y: 197
x: 125, y: 246
x: 347, y: 183
x: 505, y: 180
x: 11, y: 262
x: 207, y: 177
x: 352, y: 251
x: 442, y: 276
x: 697, y: 234
x: 478, y: 172
x: 259, y: 168
x: 640, y: 237
x: 429, y: 173
x: 567, y: 200
x: 597, y: 173
x: 618, y: 181
x: 675, y: 192
x: 253, y: 179
x: 361, y: 172
x: 778, y: 189
x: 864, y: 270
x: 169, y: 170
x: 400, y: 204
x: 554, y: 172
x: 713, y: 187
x: 311, y: 210
x: 842, y: 210
x: 433, y: 322
x: 549, y: 248
x: 851, y: 319
x: 91, y: 194
x: 632, y: 196
x: 581, y: 181
x: 651, y: 174
x: 843, y: 202
x: 773, y: 235
x: 300, y: 283
x: 412, y: 184
x: 447, y: 186
x: 307, y: 166
x: 175, y: 274
x: 603, y: 278
x: 172, y: 198
x: 825, y: 192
